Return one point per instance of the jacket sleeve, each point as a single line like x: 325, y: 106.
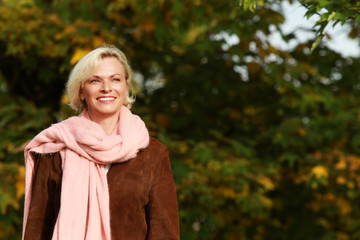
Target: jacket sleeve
x: 162, y: 210
x: 45, y: 200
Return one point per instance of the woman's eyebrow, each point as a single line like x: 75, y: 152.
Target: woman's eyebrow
x: 113, y: 75
x: 116, y: 74
x: 94, y: 76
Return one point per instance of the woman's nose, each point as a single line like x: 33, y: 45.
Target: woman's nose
x: 106, y: 86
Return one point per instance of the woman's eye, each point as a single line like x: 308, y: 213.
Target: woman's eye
x: 117, y: 79
x: 93, y: 80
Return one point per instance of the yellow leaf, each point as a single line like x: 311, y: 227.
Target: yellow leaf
x: 351, y: 185
x: 69, y: 29
x: 228, y: 192
x: 148, y: 25
x: 319, y: 171
x: 342, y: 236
x: 163, y: 119
x: 245, y: 191
x: 300, y: 178
x: 20, y: 182
x: 250, y: 110
x: 344, y: 206
x: 266, y: 183
x: 302, y: 132
x: 329, y: 197
x: 20, y: 3
x: 197, y: 3
x: 235, y: 114
x: 194, y: 33
x: 79, y: 53
x: 178, y: 49
x: 309, y: 68
x: 253, y: 67
x: 268, y: 203
x: 354, y: 163
x: 64, y: 99
x: 358, y: 181
x: 316, y: 42
x: 316, y: 206
x: 340, y: 180
x: 281, y: 90
x: 331, y: 16
x: 341, y: 165
x: 183, y: 147
x: 97, y: 41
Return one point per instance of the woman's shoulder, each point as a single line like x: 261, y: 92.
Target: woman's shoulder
x: 155, y: 153
x: 156, y: 145
x: 47, y: 163
x: 46, y: 157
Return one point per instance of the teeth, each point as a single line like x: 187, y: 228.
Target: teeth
x: 106, y: 98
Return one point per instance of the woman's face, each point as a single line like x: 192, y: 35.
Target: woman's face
x: 106, y: 88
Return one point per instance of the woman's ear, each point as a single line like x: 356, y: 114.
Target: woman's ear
x: 81, y: 95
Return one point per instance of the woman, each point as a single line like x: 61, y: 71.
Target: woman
x: 99, y: 175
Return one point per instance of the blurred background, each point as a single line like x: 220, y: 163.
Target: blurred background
x: 260, y: 114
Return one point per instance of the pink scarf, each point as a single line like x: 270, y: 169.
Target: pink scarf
x: 85, y: 149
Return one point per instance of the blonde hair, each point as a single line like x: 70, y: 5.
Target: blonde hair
x: 82, y: 70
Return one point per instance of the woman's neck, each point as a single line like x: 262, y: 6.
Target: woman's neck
x: 107, y: 123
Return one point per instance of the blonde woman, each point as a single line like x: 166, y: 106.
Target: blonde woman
x: 99, y: 175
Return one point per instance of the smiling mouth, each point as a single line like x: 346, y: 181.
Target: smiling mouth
x: 106, y: 98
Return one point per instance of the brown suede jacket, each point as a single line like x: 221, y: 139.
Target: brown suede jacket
x: 143, y: 203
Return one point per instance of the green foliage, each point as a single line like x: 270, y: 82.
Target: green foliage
x: 218, y: 177
x: 330, y: 13
x: 333, y: 13
x: 264, y: 143
x: 19, y: 121
x: 251, y: 4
